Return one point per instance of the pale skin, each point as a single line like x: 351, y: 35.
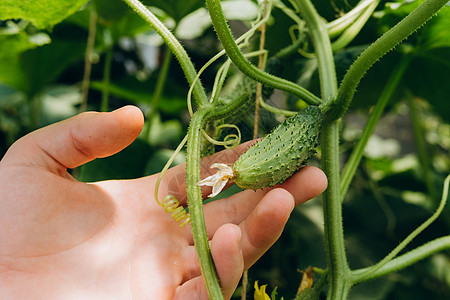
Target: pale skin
x: 63, y: 239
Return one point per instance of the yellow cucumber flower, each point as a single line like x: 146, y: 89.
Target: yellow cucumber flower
x: 260, y: 293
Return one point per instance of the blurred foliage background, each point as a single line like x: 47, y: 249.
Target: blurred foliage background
x: 102, y: 56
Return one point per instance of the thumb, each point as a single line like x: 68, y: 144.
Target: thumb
x: 75, y: 141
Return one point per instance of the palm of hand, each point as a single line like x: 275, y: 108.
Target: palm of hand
x: 63, y: 239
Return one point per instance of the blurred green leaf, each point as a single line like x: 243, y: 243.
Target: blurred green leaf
x: 42, y: 65
x: 439, y: 267
x: 31, y: 69
x: 111, y: 10
x: 13, y: 114
x: 59, y: 102
x: 119, y: 19
x: 436, y: 33
x: 42, y: 13
x: 428, y: 78
x: 140, y: 93
x: 14, y: 40
x: 165, y: 133
x: 124, y: 91
x: 394, y: 11
x: 176, y: 9
x: 130, y: 25
x: 127, y: 164
x: 12, y: 74
x: 159, y: 158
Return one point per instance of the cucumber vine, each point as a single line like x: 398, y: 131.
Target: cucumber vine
x: 334, y: 100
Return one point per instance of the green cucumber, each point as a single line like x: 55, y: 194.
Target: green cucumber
x: 281, y: 153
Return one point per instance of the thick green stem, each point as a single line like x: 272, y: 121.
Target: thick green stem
x: 334, y: 233
x: 195, y: 200
x: 339, y: 273
x: 174, y: 45
x: 195, y: 203
x: 322, y: 49
x: 352, y: 164
x: 233, y: 52
x: 375, y: 51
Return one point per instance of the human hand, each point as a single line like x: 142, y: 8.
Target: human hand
x: 63, y: 239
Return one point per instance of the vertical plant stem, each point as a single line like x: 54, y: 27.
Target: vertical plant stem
x: 175, y: 46
x: 88, y: 59
x: 160, y: 83
x: 262, y: 41
x: 244, y: 285
x: 195, y: 204
x: 339, y: 283
x: 339, y: 273
x: 195, y: 201
x: 106, y: 79
x: 352, y: 164
x: 322, y: 49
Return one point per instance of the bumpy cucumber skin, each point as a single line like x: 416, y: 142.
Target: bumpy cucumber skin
x: 281, y: 153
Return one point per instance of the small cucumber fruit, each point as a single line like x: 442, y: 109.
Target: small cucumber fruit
x: 281, y: 153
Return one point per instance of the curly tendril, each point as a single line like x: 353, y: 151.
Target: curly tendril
x: 170, y: 203
x: 230, y: 141
x: 178, y: 213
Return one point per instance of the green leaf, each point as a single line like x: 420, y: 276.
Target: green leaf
x: 42, y: 13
